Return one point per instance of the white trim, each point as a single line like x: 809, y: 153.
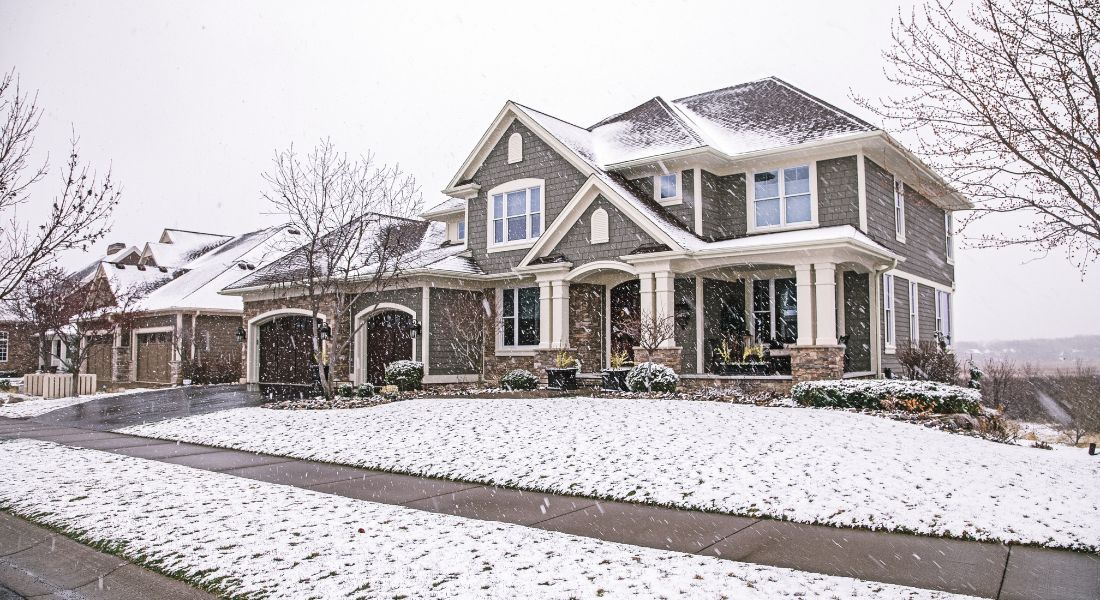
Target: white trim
x: 517, y: 350
x: 598, y: 224
x: 861, y: 185
x: 700, y: 359
x: 671, y: 200
x: 600, y: 265
x: 899, y: 209
x: 921, y: 280
x: 697, y: 198
x: 133, y: 345
x: 515, y: 185
x: 889, y: 313
x: 949, y: 236
x: 425, y: 312
x: 873, y: 287
x: 914, y: 312
x: 750, y: 198
x: 252, y: 350
x: 359, y: 342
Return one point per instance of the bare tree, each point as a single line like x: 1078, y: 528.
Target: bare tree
x: 39, y: 302
x: 654, y: 331
x: 1079, y: 392
x: 1004, y: 99
x: 999, y: 382
x: 77, y: 218
x: 357, y: 236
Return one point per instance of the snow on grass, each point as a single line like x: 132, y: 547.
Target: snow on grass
x: 245, y: 537
x: 33, y: 406
x: 811, y: 466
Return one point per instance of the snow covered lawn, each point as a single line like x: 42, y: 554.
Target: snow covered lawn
x: 262, y: 539
x: 813, y: 466
x: 33, y: 406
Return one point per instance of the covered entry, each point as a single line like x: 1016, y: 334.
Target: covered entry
x: 389, y: 337
x: 286, y: 352
x: 153, y: 353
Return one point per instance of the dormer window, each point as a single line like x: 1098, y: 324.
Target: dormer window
x: 456, y: 232
x: 782, y: 198
x: 515, y: 214
x: 461, y: 231
x: 667, y: 189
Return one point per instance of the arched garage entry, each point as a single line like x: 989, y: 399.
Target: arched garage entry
x: 387, y: 333
x: 281, y: 351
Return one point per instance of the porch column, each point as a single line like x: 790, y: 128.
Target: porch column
x: 805, y: 305
x: 560, y: 315
x: 825, y: 282
x: 545, y: 315
x: 645, y: 281
x: 664, y: 301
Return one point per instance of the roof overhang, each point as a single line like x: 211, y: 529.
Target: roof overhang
x: 443, y: 213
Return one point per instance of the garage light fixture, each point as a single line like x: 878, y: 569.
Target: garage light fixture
x: 240, y: 334
x: 324, y: 331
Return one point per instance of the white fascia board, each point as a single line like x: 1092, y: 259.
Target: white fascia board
x: 959, y: 202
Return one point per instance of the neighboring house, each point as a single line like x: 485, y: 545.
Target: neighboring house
x: 752, y: 212
x: 185, y: 328
x: 18, y: 346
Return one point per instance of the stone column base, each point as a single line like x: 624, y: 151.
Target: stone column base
x: 812, y: 363
x: 672, y: 358
x: 120, y: 356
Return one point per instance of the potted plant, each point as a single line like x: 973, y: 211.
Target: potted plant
x: 725, y: 354
x: 752, y: 361
x: 563, y: 375
x: 614, y: 379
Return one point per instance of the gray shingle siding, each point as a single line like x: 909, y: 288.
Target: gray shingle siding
x: 685, y: 211
x: 723, y: 206
x: 562, y: 181
x: 926, y: 311
x: 926, y: 240
x: 857, y: 319
x: 838, y: 192
x: 685, y: 328
x: 443, y: 359
x: 407, y: 297
x: 624, y: 236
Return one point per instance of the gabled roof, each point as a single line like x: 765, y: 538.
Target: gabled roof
x: 445, y: 208
x: 177, y: 248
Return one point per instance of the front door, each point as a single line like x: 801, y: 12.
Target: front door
x: 389, y: 338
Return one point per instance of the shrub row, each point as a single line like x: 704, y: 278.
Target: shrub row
x: 888, y: 394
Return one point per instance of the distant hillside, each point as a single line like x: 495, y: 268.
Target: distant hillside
x: 1050, y: 353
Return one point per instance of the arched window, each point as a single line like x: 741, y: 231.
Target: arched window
x: 515, y: 148
x: 599, y: 226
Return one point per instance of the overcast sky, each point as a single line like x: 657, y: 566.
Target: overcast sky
x: 189, y: 101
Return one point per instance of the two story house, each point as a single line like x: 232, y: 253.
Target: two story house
x: 756, y: 212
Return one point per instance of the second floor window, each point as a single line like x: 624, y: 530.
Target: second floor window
x: 943, y: 314
x: 782, y: 197
x: 519, y: 315
x: 914, y: 317
x: 461, y: 230
x: 517, y: 215
x: 949, y: 230
x: 666, y: 188
x: 888, y: 310
x: 899, y: 210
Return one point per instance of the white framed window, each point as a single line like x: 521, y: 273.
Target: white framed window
x: 775, y: 310
x: 668, y: 189
x: 3, y: 346
x: 520, y: 315
x: 899, y: 210
x: 888, y: 312
x: 515, y: 214
x: 461, y: 231
x: 914, y: 316
x: 782, y: 197
x: 943, y: 314
x: 949, y: 230
x: 456, y: 232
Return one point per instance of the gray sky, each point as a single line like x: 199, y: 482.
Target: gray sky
x: 189, y: 101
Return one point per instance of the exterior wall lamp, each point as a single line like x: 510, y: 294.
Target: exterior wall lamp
x: 241, y: 335
x: 324, y: 331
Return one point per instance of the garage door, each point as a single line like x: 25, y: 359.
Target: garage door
x: 286, y: 351
x: 154, y: 350
x: 99, y: 358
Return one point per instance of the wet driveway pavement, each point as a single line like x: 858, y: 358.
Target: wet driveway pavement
x: 134, y: 409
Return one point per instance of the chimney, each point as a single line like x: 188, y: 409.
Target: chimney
x: 115, y: 247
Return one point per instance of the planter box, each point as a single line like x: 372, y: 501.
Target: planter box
x: 614, y: 380
x: 743, y: 369
x: 561, y: 379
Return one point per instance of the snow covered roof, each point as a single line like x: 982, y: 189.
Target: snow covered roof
x: 428, y: 251
x: 797, y: 238
x: 449, y: 206
x: 86, y: 272
x: 177, y: 248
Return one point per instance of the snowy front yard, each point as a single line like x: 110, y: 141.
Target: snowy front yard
x: 265, y: 540
x: 812, y: 466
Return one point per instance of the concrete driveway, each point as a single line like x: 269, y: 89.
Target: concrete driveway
x: 134, y: 409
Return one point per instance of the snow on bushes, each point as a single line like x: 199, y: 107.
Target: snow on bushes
x: 888, y: 394
x: 651, y: 377
x: 519, y: 379
x: 405, y: 374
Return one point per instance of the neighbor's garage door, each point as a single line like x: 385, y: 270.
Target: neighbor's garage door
x: 286, y: 351
x: 99, y: 358
x: 154, y: 350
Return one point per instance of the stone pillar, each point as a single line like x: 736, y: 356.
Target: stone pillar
x: 664, y: 302
x: 805, y: 301
x: 545, y: 314
x: 559, y: 308
x: 810, y: 363
x: 825, y: 305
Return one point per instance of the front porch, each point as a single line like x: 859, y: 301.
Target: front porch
x: 773, y: 318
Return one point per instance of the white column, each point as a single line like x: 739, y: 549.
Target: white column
x: 805, y: 305
x: 825, y: 317
x: 700, y: 359
x: 664, y: 301
x: 646, y: 292
x: 545, y: 315
x: 560, y: 315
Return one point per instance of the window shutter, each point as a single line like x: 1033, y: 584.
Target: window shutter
x: 599, y: 226
x: 515, y: 148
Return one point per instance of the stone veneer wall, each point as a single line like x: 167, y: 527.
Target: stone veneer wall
x: 809, y: 363
x: 586, y: 325
x: 669, y: 357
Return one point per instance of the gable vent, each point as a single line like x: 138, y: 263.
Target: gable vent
x: 515, y: 148
x: 599, y: 226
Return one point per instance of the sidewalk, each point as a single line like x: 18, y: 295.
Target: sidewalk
x: 980, y: 569
x: 38, y: 563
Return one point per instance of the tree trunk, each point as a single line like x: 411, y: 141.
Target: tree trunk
x: 43, y: 351
x: 76, y: 383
